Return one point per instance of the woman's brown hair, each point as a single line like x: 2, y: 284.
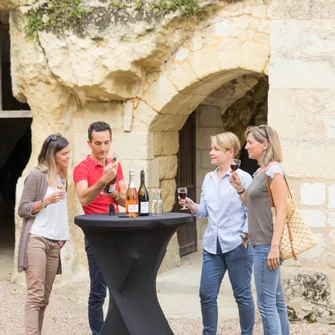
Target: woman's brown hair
x: 46, y: 159
x: 264, y: 133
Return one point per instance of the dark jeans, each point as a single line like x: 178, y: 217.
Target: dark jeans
x: 97, y: 293
x: 238, y: 263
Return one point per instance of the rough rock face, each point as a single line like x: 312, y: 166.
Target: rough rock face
x: 106, y: 58
x: 251, y: 108
x: 308, y: 295
x: 142, y: 74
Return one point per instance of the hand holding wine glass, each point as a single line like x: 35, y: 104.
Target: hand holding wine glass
x: 182, y: 194
x: 235, y: 180
x: 234, y: 177
x: 54, y: 197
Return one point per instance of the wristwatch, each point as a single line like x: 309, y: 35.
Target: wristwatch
x: 244, y: 238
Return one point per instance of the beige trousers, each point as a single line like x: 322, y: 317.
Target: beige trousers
x: 43, y: 259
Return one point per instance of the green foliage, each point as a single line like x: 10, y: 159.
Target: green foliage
x: 14, y: 5
x: 56, y: 16
x: 118, y: 4
x: 61, y: 15
x: 34, y: 23
x: 138, y: 4
x: 187, y: 8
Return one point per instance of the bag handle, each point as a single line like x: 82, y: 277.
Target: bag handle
x: 268, y: 187
x: 289, y: 218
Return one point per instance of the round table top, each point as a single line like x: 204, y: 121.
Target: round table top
x: 121, y: 221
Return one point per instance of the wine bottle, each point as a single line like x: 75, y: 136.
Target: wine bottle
x: 110, y: 187
x: 131, y: 197
x: 143, y: 197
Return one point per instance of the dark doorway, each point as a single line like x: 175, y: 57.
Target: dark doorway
x: 8, y: 102
x: 186, y: 177
x: 247, y: 164
x: 15, y: 142
x: 15, y: 150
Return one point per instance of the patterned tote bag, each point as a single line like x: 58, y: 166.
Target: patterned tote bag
x: 297, y: 237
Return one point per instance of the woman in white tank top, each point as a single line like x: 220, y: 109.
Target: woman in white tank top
x: 43, y: 207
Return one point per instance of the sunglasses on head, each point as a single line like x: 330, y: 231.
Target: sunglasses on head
x: 53, y: 137
x: 265, y: 130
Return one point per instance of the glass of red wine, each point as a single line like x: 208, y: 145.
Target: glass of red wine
x: 235, y: 164
x: 182, y: 192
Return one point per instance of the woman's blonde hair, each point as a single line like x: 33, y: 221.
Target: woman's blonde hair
x: 46, y: 159
x: 226, y: 141
x: 264, y: 133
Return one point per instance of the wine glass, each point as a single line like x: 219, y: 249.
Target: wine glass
x: 61, y: 184
x: 182, y: 192
x: 235, y: 164
x: 154, y: 204
x: 160, y: 204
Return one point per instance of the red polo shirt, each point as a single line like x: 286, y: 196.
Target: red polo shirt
x: 92, y: 171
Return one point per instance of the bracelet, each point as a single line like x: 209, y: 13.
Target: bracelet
x: 117, y: 197
x: 241, y: 192
x: 43, y: 204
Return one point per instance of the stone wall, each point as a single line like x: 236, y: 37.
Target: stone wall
x: 144, y: 78
x: 3, y: 4
x: 301, y: 107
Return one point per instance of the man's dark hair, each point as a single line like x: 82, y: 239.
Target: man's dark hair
x: 98, y: 126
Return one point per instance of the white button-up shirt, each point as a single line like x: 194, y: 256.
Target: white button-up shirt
x: 227, y: 215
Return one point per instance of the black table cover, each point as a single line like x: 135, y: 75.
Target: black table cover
x: 129, y: 252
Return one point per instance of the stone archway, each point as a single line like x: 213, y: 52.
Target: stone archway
x: 187, y: 81
x: 211, y: 61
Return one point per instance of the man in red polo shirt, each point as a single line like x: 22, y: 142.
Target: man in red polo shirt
x: 90, y: 177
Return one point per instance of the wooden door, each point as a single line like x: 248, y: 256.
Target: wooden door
x: 187, y: 234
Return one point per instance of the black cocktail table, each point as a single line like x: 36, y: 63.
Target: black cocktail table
x: 129, y: 252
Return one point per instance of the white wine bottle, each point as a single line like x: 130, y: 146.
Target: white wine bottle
x: 131, y: 197
x: 110, y: 187
x: 143, y: 197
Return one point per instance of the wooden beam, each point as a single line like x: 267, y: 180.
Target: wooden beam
x: 15, y: 114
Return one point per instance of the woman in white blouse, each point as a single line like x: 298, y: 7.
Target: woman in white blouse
x: 45, y: 229
x: 225, y: 242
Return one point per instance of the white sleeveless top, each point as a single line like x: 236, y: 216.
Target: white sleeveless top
x: 52, y: 222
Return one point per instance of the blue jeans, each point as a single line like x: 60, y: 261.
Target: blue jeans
x: 270, y: 297
x: 97, y: 293
x: 238, y: 262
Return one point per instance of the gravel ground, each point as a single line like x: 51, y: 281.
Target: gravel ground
x: 67, y: 315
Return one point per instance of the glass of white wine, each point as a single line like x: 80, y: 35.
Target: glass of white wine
x: 61, y: 185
